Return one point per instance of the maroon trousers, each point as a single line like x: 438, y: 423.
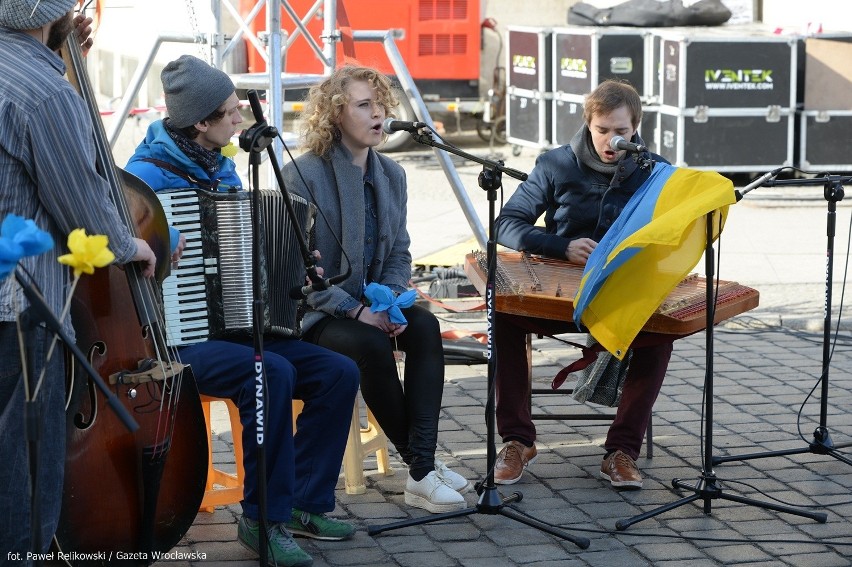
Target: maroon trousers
x: 651, y: 354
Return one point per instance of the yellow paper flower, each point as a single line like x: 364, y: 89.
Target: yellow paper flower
x: 87, y: 252
x: 230, y: 150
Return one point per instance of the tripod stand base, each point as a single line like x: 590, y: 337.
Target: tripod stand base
x: 707, y: 490
x: 490, y: 502
x: 821, y: 445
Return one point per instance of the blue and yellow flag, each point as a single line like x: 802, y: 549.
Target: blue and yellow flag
x: 655, y: 242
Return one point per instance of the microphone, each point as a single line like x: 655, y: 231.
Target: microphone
x: 260, y: 135
x: 254, y: 101
x: 619, y: 143
x: 302, y: 291
x: 390, y: 126
x: 317, y: 283
x: 758, y: 182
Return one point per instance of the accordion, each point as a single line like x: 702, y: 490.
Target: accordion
x: 210, y: 294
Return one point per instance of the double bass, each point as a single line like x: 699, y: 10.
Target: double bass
x: 128, y: 492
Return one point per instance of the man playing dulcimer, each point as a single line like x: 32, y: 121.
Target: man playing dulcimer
x: 581, y: 188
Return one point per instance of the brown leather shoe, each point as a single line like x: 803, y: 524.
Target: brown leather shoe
x: 513, y: 459
x: 621, y: 471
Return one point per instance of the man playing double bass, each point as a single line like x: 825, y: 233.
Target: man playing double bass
x: 47, y: 174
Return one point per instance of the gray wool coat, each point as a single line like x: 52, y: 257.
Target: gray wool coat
x: 336, y: 187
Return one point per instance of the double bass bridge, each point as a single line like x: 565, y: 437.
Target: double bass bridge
x: 149, y: 370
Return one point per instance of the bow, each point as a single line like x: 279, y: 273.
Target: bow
x: 383, y: 299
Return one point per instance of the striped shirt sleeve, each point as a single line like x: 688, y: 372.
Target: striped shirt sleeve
x: 69, y: 187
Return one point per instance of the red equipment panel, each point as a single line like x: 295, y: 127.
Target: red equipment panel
x: 442, y: 37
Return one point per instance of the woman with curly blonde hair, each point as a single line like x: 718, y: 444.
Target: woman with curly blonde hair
x: 363, y: 198
x: 325, y: 103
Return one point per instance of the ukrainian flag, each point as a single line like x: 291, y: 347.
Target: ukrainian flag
x: 656, y: 241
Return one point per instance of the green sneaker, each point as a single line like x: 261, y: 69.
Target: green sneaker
x: 318, y: 526
x: 282, y: 550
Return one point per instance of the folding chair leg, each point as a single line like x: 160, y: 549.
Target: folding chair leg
x: 649, y: 432
x: 649, y: 439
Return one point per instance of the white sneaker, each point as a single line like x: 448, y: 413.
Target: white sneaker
x: 456, y: 481
x: 432, y: 493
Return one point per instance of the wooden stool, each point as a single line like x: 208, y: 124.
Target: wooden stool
x: 222, y: 487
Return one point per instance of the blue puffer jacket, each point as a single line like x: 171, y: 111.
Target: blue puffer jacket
x: 577, y: 202
x: 159, y: 145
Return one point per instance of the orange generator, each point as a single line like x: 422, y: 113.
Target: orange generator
x: 441, y: 47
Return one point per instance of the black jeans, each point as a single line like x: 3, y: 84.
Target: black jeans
x: 407, y: 412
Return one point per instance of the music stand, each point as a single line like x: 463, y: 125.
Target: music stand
x: 490, y: 501
x: 822, y: 443
x: 706, y: 488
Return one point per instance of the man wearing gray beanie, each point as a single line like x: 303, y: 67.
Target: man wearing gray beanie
x: 32, y: 14
x: 185, y: 151
x: 193, y: 90
x: 49, y: 176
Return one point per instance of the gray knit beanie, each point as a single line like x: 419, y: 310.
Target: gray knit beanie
x: 193, y: 90
x: 32, y: 14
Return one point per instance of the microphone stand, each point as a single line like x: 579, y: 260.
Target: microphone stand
x: 707, y: 488
x: 254, y: 141
x: 490, y: 501
x: 822, y: 443
x: 37, y: 313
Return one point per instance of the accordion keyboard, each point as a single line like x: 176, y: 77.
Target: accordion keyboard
x: 184, y: 295
x: 210, y: 294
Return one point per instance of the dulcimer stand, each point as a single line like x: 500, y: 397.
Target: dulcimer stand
x: 706, y: 488
x: 490, y: 501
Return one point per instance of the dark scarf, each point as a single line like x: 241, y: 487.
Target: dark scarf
x: 581, y: 143
x: 208, y: 160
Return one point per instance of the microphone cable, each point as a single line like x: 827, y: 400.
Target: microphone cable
x: 337, y: 238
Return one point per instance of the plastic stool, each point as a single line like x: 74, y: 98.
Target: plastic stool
x: 361, y: 442
x: 222, y: 487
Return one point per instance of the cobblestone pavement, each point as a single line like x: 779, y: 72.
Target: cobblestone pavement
x: 766, y: 398
x: 762, y: 377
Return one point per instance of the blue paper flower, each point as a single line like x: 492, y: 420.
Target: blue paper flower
x: 383, y: 299
x: 20, y: 237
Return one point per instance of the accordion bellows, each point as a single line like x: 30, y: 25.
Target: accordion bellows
x: 210, y: 294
